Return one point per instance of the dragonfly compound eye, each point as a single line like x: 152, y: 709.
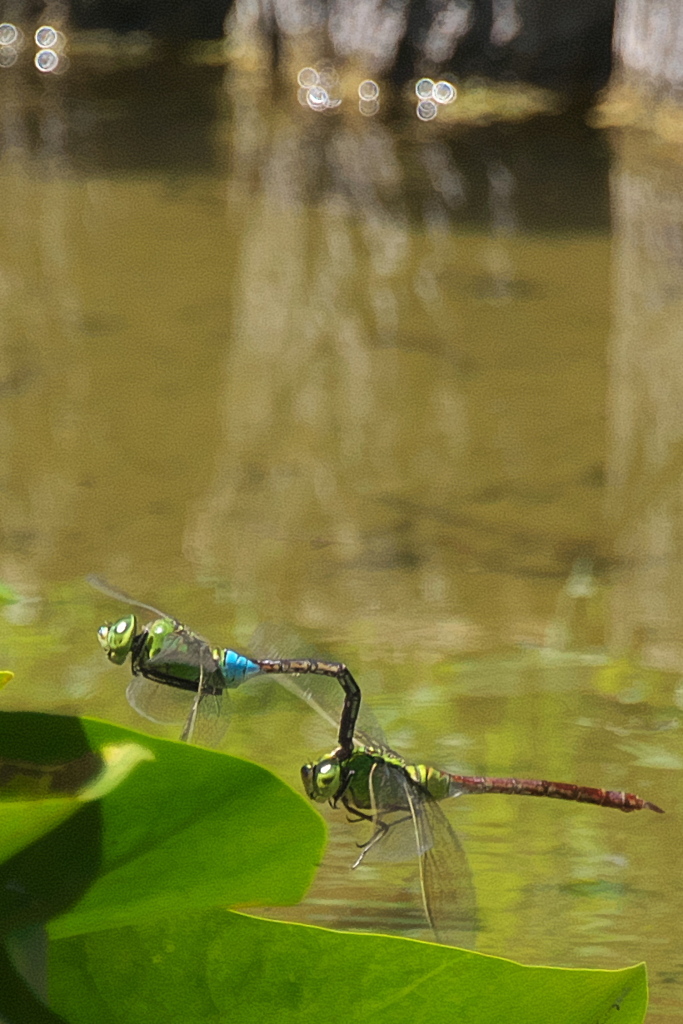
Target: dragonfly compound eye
x: 307, y: 779
x: 321, y: 781
x: 117, y: 639
x: 326, y: 777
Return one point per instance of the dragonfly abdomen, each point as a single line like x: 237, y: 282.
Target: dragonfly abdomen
x: 334, y: 669
x: 617, y: 799
x: 235, y: 667
x: 436, y: 782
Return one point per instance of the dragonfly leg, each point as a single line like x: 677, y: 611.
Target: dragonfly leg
x: 137, y: 649
x: 339, y: 795
x: 358, y: 815
x: 189, y: 727
x: 382, y: 829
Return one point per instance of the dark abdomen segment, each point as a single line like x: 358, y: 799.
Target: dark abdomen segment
x: 557, y: 790
x: 333, y: 669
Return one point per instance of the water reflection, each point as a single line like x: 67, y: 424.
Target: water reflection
x: 645, y: 419
x: 431, y: 95
x: 373, y: 341
x: 51, y: 43
x: 352, y: 374
x: 396, y: 40
x: 11, y: 44
x: 10, y: 35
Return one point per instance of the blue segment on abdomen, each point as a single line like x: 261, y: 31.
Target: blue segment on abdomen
x: 236, y: 668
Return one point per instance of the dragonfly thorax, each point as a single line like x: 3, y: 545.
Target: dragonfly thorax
x: 157, y: 632
x: 116, y: 639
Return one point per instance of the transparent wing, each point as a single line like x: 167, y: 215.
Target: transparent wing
x: 448, y: 892
x: 119, y: 595
x: 322, y: 693
x: 391, y: 810
x: 167, y: 705
x: 158, y: 702
x: 207, y: 721
x: 409, y: 822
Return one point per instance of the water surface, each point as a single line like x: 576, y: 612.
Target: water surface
x: 366, y: 379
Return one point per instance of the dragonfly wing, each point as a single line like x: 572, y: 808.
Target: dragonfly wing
x: 207, y: 721
x: 392, y: 815
x: 168, y: 705
x: 187, y: 735
x: 294, y: 685
x: 158, y: 702
x: 322, y: 693
x: 119, y: 595
x: 448, y: 892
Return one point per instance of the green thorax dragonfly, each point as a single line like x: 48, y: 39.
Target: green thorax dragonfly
x: 174, y: 667
x: 376, y: 784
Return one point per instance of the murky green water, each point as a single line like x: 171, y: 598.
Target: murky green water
x: 373, y: 381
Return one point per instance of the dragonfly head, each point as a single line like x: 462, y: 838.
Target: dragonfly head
x: 116, y: 639
x: 322, y: 780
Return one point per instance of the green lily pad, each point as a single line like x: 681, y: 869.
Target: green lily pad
x: 136, y: 886
x: 191, y: 829
x: 36, y: 797
x: 217, y: 966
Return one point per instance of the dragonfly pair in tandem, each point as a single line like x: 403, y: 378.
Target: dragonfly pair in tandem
x: 370, y: 780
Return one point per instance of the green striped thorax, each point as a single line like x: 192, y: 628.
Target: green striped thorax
x: 331, y: 778
x: 157, y: 632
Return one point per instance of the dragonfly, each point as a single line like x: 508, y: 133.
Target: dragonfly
x: 377, y: 785
x: 170, y: 661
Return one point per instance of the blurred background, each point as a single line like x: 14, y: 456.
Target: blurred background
x: 408, y: 387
